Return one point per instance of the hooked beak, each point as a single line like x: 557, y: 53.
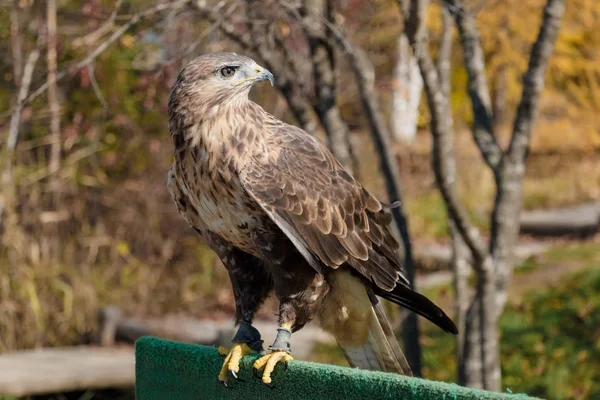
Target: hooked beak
x: 263, y: 74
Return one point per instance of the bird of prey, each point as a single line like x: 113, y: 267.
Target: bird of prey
x: 283, y: 215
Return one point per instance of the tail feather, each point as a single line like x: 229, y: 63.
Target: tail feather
x: 419, y: 304
x: 381, y: 352
x: 391, y: 338
x: 357, y: 320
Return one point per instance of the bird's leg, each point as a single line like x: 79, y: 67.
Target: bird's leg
x: 300, y: 290
x: 280, y: 350
x: 246, y: 340
x: 251, y: 284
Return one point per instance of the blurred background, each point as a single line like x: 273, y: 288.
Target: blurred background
x: 495, y: 157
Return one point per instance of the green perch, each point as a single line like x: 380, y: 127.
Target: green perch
x: 173, y: 370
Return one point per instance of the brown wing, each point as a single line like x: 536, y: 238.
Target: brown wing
x: 323, y: 210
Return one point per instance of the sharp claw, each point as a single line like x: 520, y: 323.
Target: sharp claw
x: 285, y: 365
x: 235, y: 376
x: 223, y: 351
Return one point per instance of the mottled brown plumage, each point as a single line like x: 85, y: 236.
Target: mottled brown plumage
x: 282, y: 213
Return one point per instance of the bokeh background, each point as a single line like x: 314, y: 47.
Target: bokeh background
x: 86, y: 220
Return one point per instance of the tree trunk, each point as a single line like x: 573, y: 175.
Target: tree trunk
x: 478, y: 344
x: 480, y: 365
x: 500, y: 82
x: 462, y: 293
x: 323, y: 63
x: 406, y: 94
x: 505, y: 224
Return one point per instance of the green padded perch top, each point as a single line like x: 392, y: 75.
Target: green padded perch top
x: 171, y: 370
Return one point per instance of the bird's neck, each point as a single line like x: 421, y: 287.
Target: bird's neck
x: 225, y: 135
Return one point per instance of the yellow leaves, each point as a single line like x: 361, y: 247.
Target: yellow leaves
x: 128, y: 40
x: 573, y: 74
x: 284, y: 28
x: 122, y: 248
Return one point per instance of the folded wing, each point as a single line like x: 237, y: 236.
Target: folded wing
x: 321, y: 208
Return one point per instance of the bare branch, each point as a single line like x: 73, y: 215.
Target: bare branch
x: 51, y: 78
x: 94, y: 36
x: 99, y: 95
x: 16, y: 43
x: 15, y: 120
x: 444, y: 165
x: 477, y: 83
x: 533, y: 82
x: 104, y: 45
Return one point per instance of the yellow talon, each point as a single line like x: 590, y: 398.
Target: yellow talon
x: 267, y: 363
x: 232, y: 361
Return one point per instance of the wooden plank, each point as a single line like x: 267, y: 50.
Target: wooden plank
x: 31, y: 372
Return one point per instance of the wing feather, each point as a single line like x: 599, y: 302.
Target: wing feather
x: 324, y: 211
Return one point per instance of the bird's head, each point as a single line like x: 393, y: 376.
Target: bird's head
x: 222, y: 76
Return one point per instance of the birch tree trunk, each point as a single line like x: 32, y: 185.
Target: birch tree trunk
x: 406, y: 94
x: 462, y: 293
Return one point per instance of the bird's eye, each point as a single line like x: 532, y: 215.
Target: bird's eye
x: 227, y: 72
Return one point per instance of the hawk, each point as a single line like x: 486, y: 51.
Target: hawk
x: 284, y: 216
